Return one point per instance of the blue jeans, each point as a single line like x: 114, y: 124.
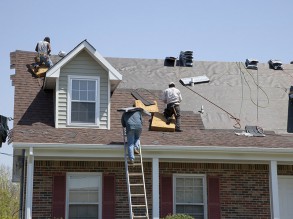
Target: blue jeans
x: 46, y: 60
x: 133, y: 142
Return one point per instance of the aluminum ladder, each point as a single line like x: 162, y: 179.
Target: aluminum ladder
x: 137, y: 199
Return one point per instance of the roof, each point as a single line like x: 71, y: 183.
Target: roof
x: 34, y: 109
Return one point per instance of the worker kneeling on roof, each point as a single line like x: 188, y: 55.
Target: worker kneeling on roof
x: 172, y: 97
x: 43, y: 48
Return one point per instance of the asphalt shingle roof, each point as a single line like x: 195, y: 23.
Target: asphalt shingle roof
x: 34, y: 111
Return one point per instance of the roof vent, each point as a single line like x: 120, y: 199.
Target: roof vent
x: 185, y: 58
x: 170, y: 61
x: 251, y: 64
x: 275, y: 64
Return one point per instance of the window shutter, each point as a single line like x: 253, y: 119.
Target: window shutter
x: 214, y: 208
x: 59, y: 197
x: 166, y: 195
x: 109, y: 197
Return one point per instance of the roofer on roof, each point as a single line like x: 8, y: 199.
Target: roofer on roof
x: 172, y: 97
x: 43, y: 48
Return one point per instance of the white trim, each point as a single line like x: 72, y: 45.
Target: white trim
x: 113, y: 73
x: 29, y: 183
x: 164, y: 153
x: 204, y: 184
x: 109, y: 105
x: 56, y: 117
x: 274, y: 190
x: 100, y: 202
x: 156, y: 190
x: 97, y: 102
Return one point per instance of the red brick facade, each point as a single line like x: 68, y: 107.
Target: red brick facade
x: 244, y: 188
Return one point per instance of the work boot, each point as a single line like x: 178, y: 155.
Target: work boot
x: 131, y: 162
x: 168, y: 121
x: 178, y: 130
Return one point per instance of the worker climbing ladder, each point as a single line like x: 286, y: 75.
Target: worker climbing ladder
x: 137, y: 199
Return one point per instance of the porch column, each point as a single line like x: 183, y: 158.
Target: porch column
x: 156, y: 191
x: 275, y: 211
x: 29, y: 184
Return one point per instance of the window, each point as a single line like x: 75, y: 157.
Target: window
x: 190, y: 195
x: 83, y: 196
x: 83, y: 100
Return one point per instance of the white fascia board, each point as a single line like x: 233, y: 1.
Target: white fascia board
x: 167, y: 153
x: 52, y: 71
x: 113, y: 73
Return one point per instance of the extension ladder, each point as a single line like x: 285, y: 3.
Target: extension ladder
x: 137, y: 199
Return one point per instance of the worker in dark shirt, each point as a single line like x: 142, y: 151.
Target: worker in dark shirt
x: 132, y: 121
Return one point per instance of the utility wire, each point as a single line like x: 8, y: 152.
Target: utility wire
x: 238, y: 64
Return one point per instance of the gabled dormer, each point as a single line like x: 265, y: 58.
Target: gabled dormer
x: 82, y: 82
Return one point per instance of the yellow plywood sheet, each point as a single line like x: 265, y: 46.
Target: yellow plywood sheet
x: 152, y: 108
x: 41, y: 71
x: 159, y: 123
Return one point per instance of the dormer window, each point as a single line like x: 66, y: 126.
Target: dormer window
x: 83, y: 104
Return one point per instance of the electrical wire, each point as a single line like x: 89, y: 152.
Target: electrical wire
x: 256, y: 104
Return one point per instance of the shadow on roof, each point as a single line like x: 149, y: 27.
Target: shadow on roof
x: 41, y: 110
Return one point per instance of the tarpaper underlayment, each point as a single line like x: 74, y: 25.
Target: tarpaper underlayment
x: 231, y: 86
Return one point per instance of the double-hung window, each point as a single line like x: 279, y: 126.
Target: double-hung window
x: 190, y: 195
x: 83, y: 104
x: 84, y: 196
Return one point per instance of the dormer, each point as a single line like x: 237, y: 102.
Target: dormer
x: 82, y: 82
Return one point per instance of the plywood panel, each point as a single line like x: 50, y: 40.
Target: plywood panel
x: 152, y: 108
x: 159, y: 123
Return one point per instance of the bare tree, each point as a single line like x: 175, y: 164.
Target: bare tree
x: 9, y: 194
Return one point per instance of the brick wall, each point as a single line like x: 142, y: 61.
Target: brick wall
x: 244, y: 188
x: 43, y: 181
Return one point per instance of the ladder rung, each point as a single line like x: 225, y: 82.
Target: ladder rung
x: 138, y: 206
x: 134, y: 164
x: 140, y: 217
x: 137, y: 195
x: 135, y: 174
x: 136, y: 184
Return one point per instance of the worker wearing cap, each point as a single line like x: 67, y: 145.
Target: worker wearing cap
x: 43, y: 48
x: 172, y: 97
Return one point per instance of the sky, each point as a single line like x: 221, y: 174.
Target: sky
x: 226, y: 30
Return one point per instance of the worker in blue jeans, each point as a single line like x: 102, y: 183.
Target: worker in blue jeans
x: 132, y: 121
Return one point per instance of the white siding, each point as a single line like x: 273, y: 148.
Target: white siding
x: 82, y: 65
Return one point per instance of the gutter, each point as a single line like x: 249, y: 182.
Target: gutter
x: 20, y: 145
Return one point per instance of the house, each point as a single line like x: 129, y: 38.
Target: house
x: 67, y: 128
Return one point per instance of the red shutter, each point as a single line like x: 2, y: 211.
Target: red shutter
x: 166, y: 196
x: 59, y: 197
x: 109, y: 197
x: 214, y: 208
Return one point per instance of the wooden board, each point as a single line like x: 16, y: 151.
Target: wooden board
x: 159, y: 123
x: 151, y: 108
x: 41, y: 72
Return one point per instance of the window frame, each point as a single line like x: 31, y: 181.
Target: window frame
x: 204, y: 180
x: 97, y: 100
x: 100, y: 196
